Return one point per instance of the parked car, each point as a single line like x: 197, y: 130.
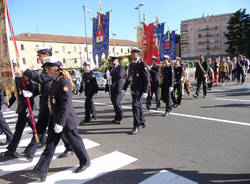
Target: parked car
x: 101, y: 81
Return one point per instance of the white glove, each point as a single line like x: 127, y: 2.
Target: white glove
x: 171, y: 89
x: 123, y: 92
x: 58, y: 128
x: 27, y: 93
x: 144, y: 95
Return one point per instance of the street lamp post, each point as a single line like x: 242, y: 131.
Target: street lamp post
x: 113, y: 34
x: 138, y: 8
x: 84, y: 12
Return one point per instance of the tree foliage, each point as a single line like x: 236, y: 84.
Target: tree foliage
x: 238, y: 34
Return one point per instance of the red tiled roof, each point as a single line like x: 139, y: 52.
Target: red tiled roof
x: 66, y: 39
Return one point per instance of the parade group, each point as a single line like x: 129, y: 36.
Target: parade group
x: 58, y: 120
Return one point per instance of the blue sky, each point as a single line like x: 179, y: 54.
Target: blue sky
x: 65, y: 17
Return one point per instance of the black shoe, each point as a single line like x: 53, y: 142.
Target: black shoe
x: 175, y: 105
x: 195, y: 96
x: 8, y: 154
x: 93, y: 117
x: 85, y: 121
x: 166, y: 113
x: 134, y: 131
x: 204, y: 96
x: 143, y: 126
x: 65, y: 154
x: 24, y: 155
x: 147, y: 107
x: 117, y: 122
x: 82, y: 167
x: 157, y: 108
x: 36, y: 175
x: 7, y: 142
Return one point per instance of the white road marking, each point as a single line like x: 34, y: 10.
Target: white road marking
x: 230, y: 99
x: 165, y: 176
x: 99, y: 167
x: 23, y: 143
x: 17, y: 164
x: 8, y: 112
x: 183, y: 115
x: 25, y: 131
x: 10, y: 115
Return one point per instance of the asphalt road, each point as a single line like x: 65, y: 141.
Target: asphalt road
x: 204, y: 140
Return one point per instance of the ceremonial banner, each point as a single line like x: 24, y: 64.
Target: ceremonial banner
x: 100, y: 37
x: 147, y: 44
x: 158, y: 33
x: 5, y: 63
x: 168, y: 45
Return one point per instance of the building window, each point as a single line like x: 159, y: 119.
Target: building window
x: 64, y: 60
x: 75, y: 60
x: 75, y: 49
x: 128, y: 50
x: 37, y: 45
x: 24, y: 61
x: 121, y: 50
x: 37, y: 61
x: 63, y: 48
x: 85, y: 49
x: 199, y: 35
x: 22, y: 46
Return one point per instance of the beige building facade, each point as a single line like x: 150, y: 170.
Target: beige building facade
x: 71, y: 50
x: 204, y: 36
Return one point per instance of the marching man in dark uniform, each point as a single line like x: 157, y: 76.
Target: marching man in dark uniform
x: 89, y: 85
x: 167, y: 83
x: 155, y: 84
x: 63, y: 121
x: 117, y: 73
x: 3, y: 125
x: 241, y: 69
x: 138, y: 77
x: 22, y: 111
x: 178, y: 72
x: 201, y: 74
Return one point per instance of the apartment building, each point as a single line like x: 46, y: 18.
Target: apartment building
x: 71, y: 50
x: 204, y: 36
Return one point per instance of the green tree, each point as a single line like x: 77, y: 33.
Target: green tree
x: 238, y: 34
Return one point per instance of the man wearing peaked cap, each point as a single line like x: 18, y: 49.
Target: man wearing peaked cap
x: 44, y: 50
x: 138, y: 77
x: 155, y: 84
x: 135, y: 49
x: 166, y: 57
x: 87, y: 63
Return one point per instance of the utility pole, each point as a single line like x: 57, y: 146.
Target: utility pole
x: 138, y: 8
x: 86, y: 45
x: 113, y: 34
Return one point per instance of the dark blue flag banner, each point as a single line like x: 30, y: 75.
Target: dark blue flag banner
x: 168, y: 45
x: 100, y: 37
x: 158, y: 33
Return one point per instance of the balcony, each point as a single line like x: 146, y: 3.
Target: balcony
x: 184, y: 31
x: 184, y: 43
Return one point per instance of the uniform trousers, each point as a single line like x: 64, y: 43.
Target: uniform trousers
x: 156, y: 91
x: 53, y: 138
x: 20, y: 125
x: 240, y: 73
x: 5, y: 127
x: 89, y: 107
x: 204, y: 83
x: 178, y: 88
x: 137, y: 109
x: 166, y: 95
x: 116, y: 99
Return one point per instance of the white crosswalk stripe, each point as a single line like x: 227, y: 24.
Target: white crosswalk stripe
x: 23, y: 143
x: 18, y: 164
x: 165, y: 176
x: 99, y: 166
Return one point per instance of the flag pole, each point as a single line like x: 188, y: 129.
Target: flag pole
x: 22, y: 78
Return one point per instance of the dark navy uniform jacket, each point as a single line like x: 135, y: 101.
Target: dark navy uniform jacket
x: 198, y: 71
x: 117, y: 73
x: 89, y: 80
x: 243, y: 63
x: 155, y: 75
x: 177, y: 73
x: 168, y: 75
x: 45, y: 84
x: 61, y: 103
x: 138, y: 77
x: 30, y: 86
